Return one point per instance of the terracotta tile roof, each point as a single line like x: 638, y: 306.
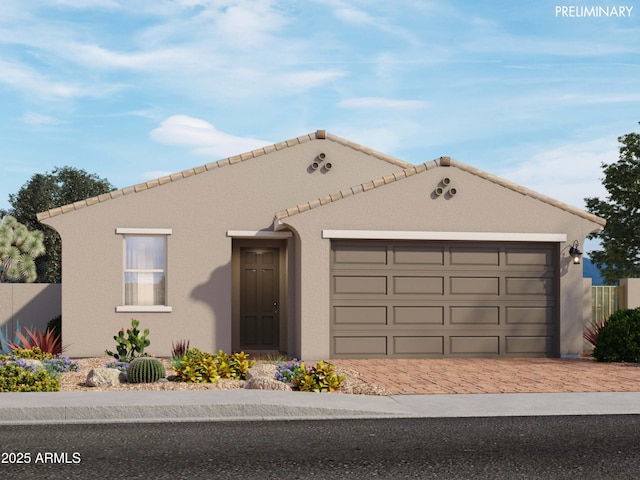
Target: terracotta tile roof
x: 318, y: 135
x: 417, y: 169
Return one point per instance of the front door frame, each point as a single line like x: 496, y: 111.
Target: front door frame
x: 281, y: 245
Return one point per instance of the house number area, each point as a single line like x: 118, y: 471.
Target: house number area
x: 15, y: 458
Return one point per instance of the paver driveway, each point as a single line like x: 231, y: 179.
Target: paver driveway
x: 515, y: 375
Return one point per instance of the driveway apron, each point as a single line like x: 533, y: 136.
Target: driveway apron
x: 516, y: 375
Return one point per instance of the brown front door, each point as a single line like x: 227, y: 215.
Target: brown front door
x: 259, y: 299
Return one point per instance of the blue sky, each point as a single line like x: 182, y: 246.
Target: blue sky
x: 132, y: 90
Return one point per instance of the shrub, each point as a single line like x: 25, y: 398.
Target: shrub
x: 16, y: 378
x: 33, y: 353
x: 54, y: 364
x: 319, y: 378
x: 132, y: 345
x: 55, y: 325
x: 196, y: 366
x: 145, y: 370
x: 235, y: 366
x: 619, y: 339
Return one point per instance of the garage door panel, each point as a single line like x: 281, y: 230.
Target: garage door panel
x: 411, y: 315
x: 360, y: 346
x: 411, y: 256
x: 368, y: 315
x: 348, y: 254
x: 474, y: 315
x: 475, y: 256
x: 529, y: 315
x: 529, y: 286
x: 418, y: 285
x: 435, y: 299
x: 474, y: 285
x: 418, y: 345
x: 360, y: 284
x: 528, y: 345
x: 468, y: 345
x: 529, y: 256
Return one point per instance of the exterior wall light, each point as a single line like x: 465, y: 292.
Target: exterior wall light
x: 575, y: 253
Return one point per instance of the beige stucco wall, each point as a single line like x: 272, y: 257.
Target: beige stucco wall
x: 29, y: 305
x: 631, y: 288
x: 409, y: 205
x: 199, y: 210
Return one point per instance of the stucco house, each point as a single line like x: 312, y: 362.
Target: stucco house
x: 322, y: 248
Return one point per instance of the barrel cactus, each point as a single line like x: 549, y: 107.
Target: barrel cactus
x: 145, y: 370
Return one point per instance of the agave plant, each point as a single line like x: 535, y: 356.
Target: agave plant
x: 48, y: 342
x: 591, y: 333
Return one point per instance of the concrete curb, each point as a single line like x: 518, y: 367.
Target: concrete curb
x: 247, y: 405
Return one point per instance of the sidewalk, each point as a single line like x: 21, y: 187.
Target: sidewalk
x: 246, y: 405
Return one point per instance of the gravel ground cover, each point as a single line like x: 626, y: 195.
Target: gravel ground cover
x: 75, y: 381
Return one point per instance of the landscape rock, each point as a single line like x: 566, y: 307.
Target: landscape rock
x: 266, y: 383
x: 105, y: 377
x: 261, y: 370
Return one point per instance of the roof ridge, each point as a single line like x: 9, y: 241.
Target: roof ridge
x: 317, y: 135
x: 423, y: 167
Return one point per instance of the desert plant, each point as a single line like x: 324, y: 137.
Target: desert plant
x: 196, y: 366
x: 179, y: 348
x: 55, y: 325
x: 591, y: 333
x: 19, y: 247
x: 233, y: 366
x: 319, y: 378
x: 17, y: 378
x: 4, y: 337
x: 33, y: 353
x: 54, y: 364
x: 286, y: 372
x: 118, y: 365
x: 48, y: 341
x: 619, y: 339
x: 59, y: 364
x: 145, y: 370
x: 132, y: 344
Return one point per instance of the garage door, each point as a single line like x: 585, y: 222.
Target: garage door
x: 435, y: 299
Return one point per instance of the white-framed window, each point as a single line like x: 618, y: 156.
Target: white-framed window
x: 144, y: 270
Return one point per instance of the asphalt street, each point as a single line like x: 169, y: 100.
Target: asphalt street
x: 540, y: 447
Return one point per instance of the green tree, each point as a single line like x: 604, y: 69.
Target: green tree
x: 42, y: 192
x: 19, y: 247
x: 620, y: 239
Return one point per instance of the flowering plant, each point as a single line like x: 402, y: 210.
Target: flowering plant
x: 130, y: 345
x: 287, y: 372
x: 118, y: 365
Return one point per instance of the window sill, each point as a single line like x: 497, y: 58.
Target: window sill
x: 144, y: 308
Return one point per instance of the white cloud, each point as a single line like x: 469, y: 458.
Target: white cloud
x: 301, y: 81
x: 31, y: 118
x: 202, y: 138
x: 568, y: 173
x: 26, y: 79
x: 382, y: 103
x: 84, y: 4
